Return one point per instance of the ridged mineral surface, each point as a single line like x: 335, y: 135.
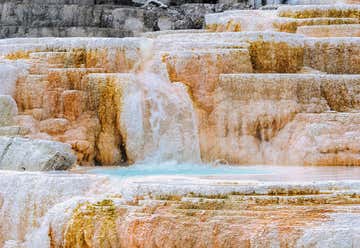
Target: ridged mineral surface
x: 271, y: 87
x: 93, y: 211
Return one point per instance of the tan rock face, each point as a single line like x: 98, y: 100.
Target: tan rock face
x: 8, y: 110
x: 269, y: 51
x: 82, y: 136
x: 201, y: 230
x: 333, y: 55
x: 244, y: 88
x: 54, y: 126
x: 82, y: 210
x: 349, y: 30
x: 308, y: 11
x: 253, y: 97
x: 105, y: 99
x: 200, y: 71
x: 254, y: 111
x: 73, y: 104
x: 320, y: 139
x: 286, y: 19
x: 225, y: 220
x: 54, y: 101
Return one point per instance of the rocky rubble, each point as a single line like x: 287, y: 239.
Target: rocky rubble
x: 102, y: 18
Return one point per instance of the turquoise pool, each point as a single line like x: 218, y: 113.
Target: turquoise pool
x: 170, y: 168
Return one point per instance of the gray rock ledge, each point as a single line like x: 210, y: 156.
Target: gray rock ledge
x: 34, y: 155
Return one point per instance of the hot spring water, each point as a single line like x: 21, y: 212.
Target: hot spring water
x: 173, y: 168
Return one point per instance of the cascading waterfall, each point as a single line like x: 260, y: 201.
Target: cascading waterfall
x: 157, y: 114
x: 170, y: 128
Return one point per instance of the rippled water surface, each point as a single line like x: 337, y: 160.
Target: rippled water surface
x: 254, y: 172
x: 151, y: 169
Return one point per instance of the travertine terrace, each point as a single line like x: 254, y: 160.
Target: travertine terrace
x: 270, y: 87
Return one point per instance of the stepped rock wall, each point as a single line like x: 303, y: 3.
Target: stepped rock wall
x: 243, y: 98
x: 266, y: 106
x: 243, y: 106
x: 351, y: 30
x: 239, y: 93
x: 44, y: 210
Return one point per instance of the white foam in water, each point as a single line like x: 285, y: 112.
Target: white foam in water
x: 158, y: 116
x: 172, y: 131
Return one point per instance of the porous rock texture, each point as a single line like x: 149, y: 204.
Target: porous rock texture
x: 8, y: 110
x: 249, y: 96
x: 90, y: 211
x: 34, y: 155
x: 244, y: 97
x: 106, y: 18
x: 24, y: 154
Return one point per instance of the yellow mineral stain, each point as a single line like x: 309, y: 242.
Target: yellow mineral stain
x: 92, y: 226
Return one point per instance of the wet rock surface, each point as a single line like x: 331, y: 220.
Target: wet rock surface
x: 91, y: 211
x: 245, y: 97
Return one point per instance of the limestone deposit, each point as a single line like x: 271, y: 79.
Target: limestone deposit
x: 34, y: 155
x: 92, y: 211
x: 239, y: 92
x: 243, y: 134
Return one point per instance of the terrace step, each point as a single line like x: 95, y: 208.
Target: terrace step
x: 311, y: 91
x: 333, y: 55
x: 313, y: 11
x: 261, y: 20
x: 349, y: 30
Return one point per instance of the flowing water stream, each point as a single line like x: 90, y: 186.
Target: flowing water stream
x: 169, y: 125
